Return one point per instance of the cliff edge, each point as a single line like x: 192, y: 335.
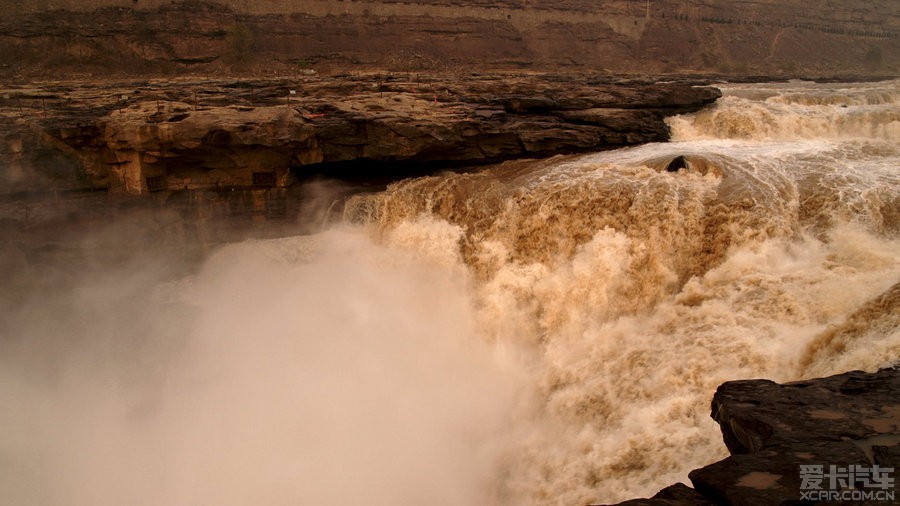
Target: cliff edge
x: 156, y: 136
x: 832, y: 440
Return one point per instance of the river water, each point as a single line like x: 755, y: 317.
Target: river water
x: 539, y: 332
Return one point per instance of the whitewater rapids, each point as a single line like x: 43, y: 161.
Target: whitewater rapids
x: 539, y: 332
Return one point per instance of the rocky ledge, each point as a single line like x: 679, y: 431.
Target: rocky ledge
x: 833, y: 440
x: 172, y: 135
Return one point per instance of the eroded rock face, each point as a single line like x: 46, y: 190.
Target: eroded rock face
x: 772, y: 430
x: 733, y: 37
x: 155, y: 136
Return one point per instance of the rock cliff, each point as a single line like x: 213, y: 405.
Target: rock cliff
x: 188, y: 135
x: 223, y: 37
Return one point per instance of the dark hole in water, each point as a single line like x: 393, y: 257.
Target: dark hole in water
x: 677, y: 164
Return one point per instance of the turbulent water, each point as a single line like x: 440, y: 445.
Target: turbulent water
x: 540, y: 332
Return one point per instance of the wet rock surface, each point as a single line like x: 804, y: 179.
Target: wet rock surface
x: 771, y: 430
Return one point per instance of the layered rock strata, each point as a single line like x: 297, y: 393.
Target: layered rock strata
x: 187, y: 135
x: 733, y: 37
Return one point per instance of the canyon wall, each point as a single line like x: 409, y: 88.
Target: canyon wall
x: 89, y: 39
x: 154, y: 136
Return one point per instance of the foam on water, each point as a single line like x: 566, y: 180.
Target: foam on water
x: 792, y: 111
x: 638, y: 291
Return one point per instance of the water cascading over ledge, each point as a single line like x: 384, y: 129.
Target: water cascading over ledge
x: 537, y: 332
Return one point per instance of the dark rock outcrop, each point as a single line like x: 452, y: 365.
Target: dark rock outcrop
x: 678, y: 494
x: 771, y: 430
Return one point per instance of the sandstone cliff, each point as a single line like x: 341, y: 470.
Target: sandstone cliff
x: 187, y: 135
x: 129, y: 37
